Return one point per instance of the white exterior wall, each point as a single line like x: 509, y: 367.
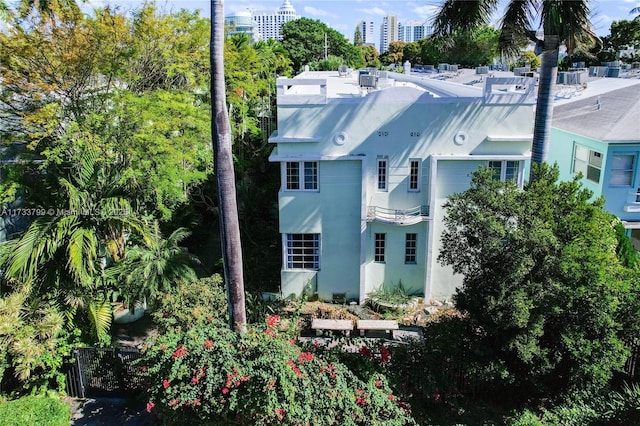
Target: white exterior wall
x: 348, y: 135
x: 334, y: 212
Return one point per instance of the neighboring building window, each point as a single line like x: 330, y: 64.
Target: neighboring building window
x: 307, y: 180
x: 382, y: 174
x: 410, y: 248
x: 380, y: 247
x: 622, y: 170
x: 588, y: 162
x: 414, y: 175
x: 505, y: 170
x: 303, y: 251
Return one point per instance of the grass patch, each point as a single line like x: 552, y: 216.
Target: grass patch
x: 34, y: 410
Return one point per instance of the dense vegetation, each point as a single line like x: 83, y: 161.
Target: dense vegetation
x: 108, y: 119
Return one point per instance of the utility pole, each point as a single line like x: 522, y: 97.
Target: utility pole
x: 326, y: 46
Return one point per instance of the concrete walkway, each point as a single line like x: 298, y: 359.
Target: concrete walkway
x: 109, y: 412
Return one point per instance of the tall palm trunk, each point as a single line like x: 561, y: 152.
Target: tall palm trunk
x: 544, y: 103
x: 223, y: 164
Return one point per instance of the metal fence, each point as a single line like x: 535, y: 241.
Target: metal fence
x: 99, y: 372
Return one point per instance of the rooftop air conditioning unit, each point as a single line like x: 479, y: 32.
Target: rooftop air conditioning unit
x: 367, y: 80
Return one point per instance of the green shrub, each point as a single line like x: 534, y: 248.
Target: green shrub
x: 192, y: 304
x: 210, y: 375
x: 34, y: 410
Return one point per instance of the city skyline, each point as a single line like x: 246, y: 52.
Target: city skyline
x: 345, y: 15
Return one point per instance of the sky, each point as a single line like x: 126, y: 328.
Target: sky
x: 343, y: 15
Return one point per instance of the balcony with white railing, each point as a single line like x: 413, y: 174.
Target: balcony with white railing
x: 397, y: 216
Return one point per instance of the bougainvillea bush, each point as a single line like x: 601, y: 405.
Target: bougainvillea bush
x: 210, y: 375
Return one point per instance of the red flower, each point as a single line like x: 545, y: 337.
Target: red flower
x: 391, y: 397
x: 208, y: 344
x: 305, y: 356
x: 144, y: 368
x: 150, y: 406
x: 364, y: 351
x: 316, y: 344
x: 361, y: 401
x: 272, y: 384
x: 272, y: 320
x: 194, y: 380
x: 196, y: 402
x: 225, y: 390
x: 384, y: 354
x: 270, y: 332
x: 280, y: 412
x: 378, y: 383
x: 181, y: 351
x: 165, y: 383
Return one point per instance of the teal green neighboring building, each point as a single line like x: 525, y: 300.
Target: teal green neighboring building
x: 597, y: 133
x: 367, y: 161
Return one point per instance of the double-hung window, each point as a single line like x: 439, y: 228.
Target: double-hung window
x: 622, y: 167
x: 410, y: 248
x: 505, y: 170
x: 383, y: 174
x: 380, y: 245
x: 302, y: 175
x: 587, y: 161
x: 303, y: 251
x: 414, y: 175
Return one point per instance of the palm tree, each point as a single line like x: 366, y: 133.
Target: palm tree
x: 61, y: 252
x: 636, y: 11
x: 156, y: 266
x: 563, y: 21
x: 223, y: 164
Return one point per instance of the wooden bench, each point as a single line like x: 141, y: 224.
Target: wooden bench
x: 320, y: 325
x: 377, y: 325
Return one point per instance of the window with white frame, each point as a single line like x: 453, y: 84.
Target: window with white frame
x: 622, y: 167
x: 505, y: 170
x: 380, y: 245
x: 410, y: 248
x: 302, y: 175
x: 303, y: 251
x: 414, y: 175
x: 587, y: 161
x: 383, y: 171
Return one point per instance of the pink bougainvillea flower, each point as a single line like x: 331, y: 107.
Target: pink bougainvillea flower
x: 208, y: 344
x: 305, y: 356
x: 180, y: 351
x: 165, y: 383
x: 194, y: 380
x: 150, y: 406
x: 225, y: 390
x: 270, y: 332
x: 272, y: 320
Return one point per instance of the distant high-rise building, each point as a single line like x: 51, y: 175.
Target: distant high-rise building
x: 269, y: 22
x: 242, y: 22
x: 388, y: 32
x: 414, y: 31
x: 366, y: 30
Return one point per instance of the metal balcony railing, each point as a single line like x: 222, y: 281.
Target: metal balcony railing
x: 398, y: 216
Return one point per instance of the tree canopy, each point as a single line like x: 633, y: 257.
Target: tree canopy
x: 304, y: 39
x: 543, y: 286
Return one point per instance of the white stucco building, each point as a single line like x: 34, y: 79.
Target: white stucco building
x: 367, y: 162
x: 270, y: 22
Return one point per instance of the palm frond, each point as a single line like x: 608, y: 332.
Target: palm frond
x: 462, y: 15
x: 568, y: 19
x: 517, y: 24
x: 100, y: 315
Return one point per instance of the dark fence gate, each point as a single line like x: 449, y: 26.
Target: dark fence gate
x: 100, y: 372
